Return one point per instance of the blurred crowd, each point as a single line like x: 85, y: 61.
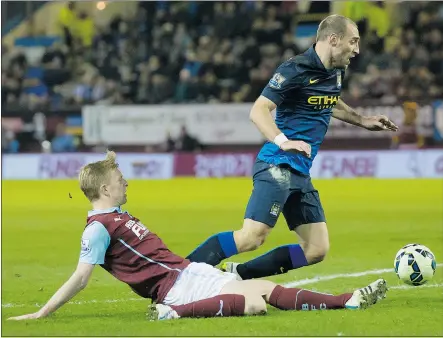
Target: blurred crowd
x: 406, y: 64
x: 64, y: 142
x: 175, y: 52
x: 192, y: 52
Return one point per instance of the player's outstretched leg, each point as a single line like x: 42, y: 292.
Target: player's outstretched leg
x: 240, y: 298
x: 226, y: 305
x: 300, y: 299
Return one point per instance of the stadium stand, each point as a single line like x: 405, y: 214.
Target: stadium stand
x: 207, y: 52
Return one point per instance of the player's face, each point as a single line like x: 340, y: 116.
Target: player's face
x: 346, y: 47
x: 117, y: 187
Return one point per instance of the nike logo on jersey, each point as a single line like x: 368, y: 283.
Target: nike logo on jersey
x: 311, y: 81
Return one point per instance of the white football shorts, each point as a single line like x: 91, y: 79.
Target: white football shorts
x: 196, y: 282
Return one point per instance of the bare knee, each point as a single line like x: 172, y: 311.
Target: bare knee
x: 315, y: 253
x: 251, y: 236
x: 314, y: 240
x: 255, y: 305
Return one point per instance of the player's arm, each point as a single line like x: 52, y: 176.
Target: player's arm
x: 345, y: 113
x: 74, y: 285
x: 273, y: 95
x: 262, y: 117
x: 95, y: 241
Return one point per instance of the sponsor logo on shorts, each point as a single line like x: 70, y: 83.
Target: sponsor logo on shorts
x: 275, y: 209
x: 220, y: 312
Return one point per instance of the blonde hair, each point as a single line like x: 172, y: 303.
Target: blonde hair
x: 94, y: 174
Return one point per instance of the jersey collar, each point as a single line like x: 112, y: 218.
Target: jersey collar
x: 317, y: 62
x: 315, y: 59
x: 104, y: 211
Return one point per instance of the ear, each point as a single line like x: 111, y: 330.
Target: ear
x: 333, y: 40
x: 104, y: 190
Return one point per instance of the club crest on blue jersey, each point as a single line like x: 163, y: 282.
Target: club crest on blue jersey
x: 276, y: 81
x: 338, y: 79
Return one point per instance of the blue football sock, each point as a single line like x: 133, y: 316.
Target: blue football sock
x: 215, y: 249
x: 275, y: 262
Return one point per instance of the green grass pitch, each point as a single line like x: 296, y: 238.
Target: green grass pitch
x: 368, y: 220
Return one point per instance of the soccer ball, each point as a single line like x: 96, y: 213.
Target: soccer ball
x: 415, y: 264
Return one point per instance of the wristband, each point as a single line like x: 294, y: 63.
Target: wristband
x: 280, y: 139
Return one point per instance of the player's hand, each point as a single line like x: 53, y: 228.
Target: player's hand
x: 35, y: 315
x: 297, y: 147
x: 379, y: 122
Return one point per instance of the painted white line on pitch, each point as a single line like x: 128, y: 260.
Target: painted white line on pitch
x: 292, y: 284
x: 318, y: 279
x: 80, y: 302
x: 410, y: 287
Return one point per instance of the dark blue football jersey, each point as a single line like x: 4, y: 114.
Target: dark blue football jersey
x: 305, y: 93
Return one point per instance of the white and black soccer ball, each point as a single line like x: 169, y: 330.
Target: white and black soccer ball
x: 415, y: 264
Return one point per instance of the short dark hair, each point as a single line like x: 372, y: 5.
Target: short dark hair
x: 333, y: 24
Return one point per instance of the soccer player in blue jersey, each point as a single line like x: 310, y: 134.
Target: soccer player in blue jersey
x: 305, y: 90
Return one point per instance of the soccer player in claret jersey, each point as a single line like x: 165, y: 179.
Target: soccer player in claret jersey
x: 123, y: 246
x: 305, y: 91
